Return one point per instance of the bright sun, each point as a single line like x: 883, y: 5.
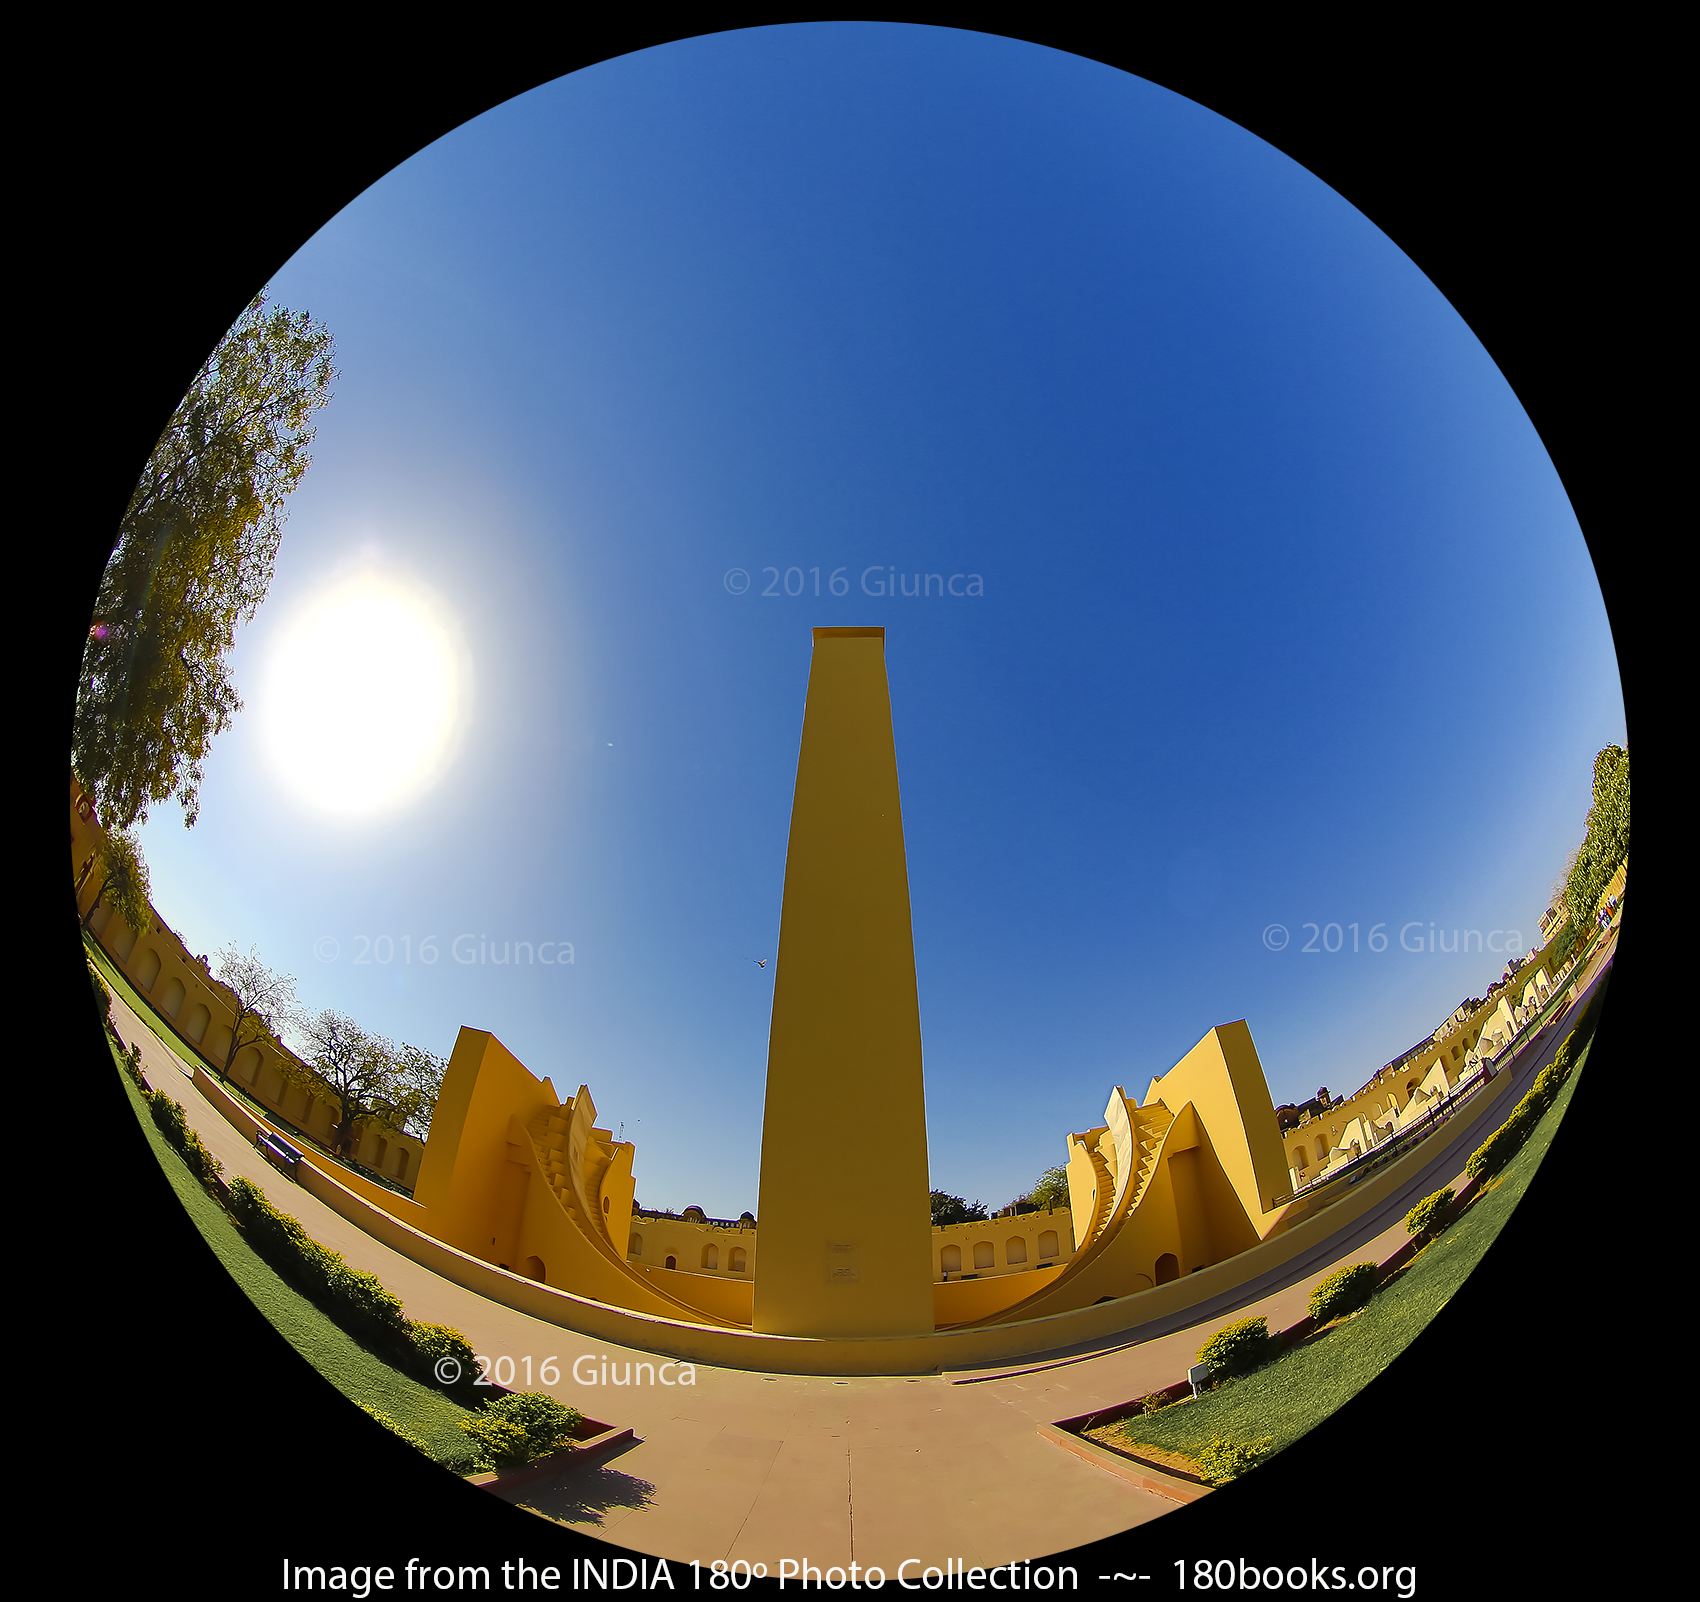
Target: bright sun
x: 367, y: 692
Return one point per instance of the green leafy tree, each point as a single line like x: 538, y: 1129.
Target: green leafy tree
x: 1606, y: 841
x: 1052, y: 1189
x: 954, y: 1210
x: 123, y: 880
x: 265, y: 1001
x: 367, y: 1079
x: 193, y: 562
x: 419, y: 1075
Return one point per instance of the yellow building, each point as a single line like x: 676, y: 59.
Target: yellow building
x: 520, y: 1192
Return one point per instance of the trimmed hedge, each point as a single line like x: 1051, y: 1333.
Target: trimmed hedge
x: 1430, y: 1213
x: 1238, y: 1348
x: 511, y: 1431
x: 1503, y: 1144
x: 169, y: 1119
x: 356, y: 1300
x: 434, y: 1343
x: 1343, y: 1292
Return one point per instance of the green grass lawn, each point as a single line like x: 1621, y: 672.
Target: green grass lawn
x: 1303, y: 1386
x: 357, y: 1373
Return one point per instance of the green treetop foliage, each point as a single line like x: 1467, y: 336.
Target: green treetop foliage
x: 1052, y: 1189
x: 193, y: 562
x: 1606, y: 842
x: 954, y: 1210
x: 123, y: 880
x: 368, y: 1079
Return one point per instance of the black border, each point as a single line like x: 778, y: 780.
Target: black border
x: 161, y: 193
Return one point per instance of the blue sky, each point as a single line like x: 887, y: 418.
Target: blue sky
x: 1285, y: 615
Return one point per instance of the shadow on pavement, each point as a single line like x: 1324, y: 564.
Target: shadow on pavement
x: 586, y: 1496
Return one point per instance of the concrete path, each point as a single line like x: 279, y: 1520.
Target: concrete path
x: 871, y: 1470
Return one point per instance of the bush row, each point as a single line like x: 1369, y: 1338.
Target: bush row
x: 1505, y: 1142
x: 168, y: 1119
x: 507, y: 1432
x: 356, y: 1300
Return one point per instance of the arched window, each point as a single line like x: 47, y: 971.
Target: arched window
x: 1321, y: 1155
x: 634, y: 1246
x: 196, y: 1025
x: 381, y: 1153
x: 1168, y: 1268
x: 247, y: 1064
x: 605, y: 1201
x: 1299, y: 1158
x: 950, y: 1260
x: 172, y: 999
x: 533, y: 1269
x: 147, y: 970
x: 1015, y: 1250
x: 1048, y: 1244
x: 740, y: 1261
x: 672, y: 1262
x: 711, y: 1257
x: 984, y: 1255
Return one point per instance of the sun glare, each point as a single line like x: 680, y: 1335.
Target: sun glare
x: 366, y: 694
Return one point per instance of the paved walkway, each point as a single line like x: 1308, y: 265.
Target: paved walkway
x: 871, y: 1470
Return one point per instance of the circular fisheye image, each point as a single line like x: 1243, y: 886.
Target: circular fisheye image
x: 851, y: 804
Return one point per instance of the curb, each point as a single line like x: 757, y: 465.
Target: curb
x: 1143, y: 1475
x: 591, y: 1447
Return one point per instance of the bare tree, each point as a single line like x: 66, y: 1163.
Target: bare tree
x: 265, y: 1001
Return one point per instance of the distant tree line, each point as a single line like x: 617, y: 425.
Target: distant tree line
x: 1050, y: 1191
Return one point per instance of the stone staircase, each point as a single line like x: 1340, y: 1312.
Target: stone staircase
x: 1150, y: 1125
x: 548, y: 1131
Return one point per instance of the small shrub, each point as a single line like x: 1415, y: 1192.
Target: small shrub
x: 1156, y: 1402
x: 511, y: 1431
x: 1343, y: 1292
x: 1239, y: 1348
x: 133, y: 1067
x: 1223, y: 1460
x: 434, y: 1343
x: 396, y: 1429
x: 1429, y: 1214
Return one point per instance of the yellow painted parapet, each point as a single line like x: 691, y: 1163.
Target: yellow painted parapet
x: 845, y: 1225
